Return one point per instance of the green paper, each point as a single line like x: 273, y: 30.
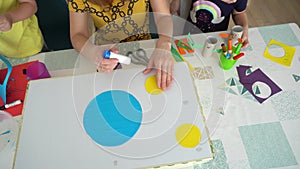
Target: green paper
x: 192, y: 43
x: 176, y: 55
x: 184, y: 45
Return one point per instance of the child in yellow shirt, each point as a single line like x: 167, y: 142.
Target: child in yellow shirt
x: 20, y: 35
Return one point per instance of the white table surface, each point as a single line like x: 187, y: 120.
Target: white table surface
x: 245, y: 133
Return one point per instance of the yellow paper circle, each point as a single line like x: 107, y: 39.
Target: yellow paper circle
x: 188, y: 135
x: 151, y: 86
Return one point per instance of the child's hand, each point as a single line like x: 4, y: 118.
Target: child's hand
x: 245, y: 39
x: 5, y: 22
x: 162, y: 60
x: 175, y: 7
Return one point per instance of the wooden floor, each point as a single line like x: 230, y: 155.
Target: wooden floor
x: 272, y: 12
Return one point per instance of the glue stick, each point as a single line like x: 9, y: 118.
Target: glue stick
x: 121, y: 58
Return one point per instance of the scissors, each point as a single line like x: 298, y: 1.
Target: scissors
x: 139, y: 57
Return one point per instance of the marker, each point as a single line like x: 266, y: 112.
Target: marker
x: 228, y: 56
x: 121, y: 58
x: 240, y: 40
x: 238, y: 48
x: 15, y: 103
x: 224, y: 49
x: 230, y: 45
x: 238, y: 56
x: 224, y: 35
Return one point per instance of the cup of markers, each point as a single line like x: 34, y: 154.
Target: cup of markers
x: 230, y: 54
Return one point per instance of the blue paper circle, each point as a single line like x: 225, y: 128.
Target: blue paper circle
x: 112, y: 118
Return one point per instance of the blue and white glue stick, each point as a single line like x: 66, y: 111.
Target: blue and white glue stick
x: 122, y: 59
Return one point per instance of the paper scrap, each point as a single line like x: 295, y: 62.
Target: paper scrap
x: 286, y: 59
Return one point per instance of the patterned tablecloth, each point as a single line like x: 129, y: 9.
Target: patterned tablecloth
x: 252, y: 110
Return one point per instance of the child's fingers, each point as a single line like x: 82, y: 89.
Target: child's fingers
x: 245, y: 43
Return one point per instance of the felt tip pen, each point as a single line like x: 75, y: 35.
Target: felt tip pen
x: 238, y: 48
x: 6, y: 106
x: 238, y: 56
x: 240, y: 40
x: 121, y: 58
x: 228, y: 56
x: 230, y: 45
x: 224, y: 49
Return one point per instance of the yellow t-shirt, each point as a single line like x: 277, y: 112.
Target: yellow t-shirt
x: 24, y: 39
x: 125, y: 20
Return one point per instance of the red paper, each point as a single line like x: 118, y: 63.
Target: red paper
x: 16, y: 87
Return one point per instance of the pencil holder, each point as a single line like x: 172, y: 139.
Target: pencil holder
x: 225, y: 63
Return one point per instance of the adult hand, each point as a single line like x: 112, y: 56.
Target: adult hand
x: 162, y: 60
x: 5, y: 22
x: 106, y: 65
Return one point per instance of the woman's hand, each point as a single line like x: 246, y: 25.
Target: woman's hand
x: 162, y: 60
x: 106, y: 65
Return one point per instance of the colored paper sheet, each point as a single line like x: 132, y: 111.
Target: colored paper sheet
x: 179, y: 58
x: 16, y: 87
x: 266, y: 146
x: 296, y: 77
x: 256, y: 76
x: 286, y: 59
x: 192, y: 43
x: 183, y: 46
x: 176, y: 55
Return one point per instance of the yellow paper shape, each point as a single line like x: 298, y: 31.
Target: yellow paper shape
x: 188, y: 135
x: 151, y: 86
x: 286, y: 59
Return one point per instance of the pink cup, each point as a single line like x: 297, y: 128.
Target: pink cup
x: 37, y: 70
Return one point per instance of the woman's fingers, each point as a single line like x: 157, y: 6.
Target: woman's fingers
x: 107, y: 65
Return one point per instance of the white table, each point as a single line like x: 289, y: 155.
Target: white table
x: 245, y: 133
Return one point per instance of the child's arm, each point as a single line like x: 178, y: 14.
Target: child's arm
x: 175, y: 7
x: 25, y: 10
x: 240, y: 18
